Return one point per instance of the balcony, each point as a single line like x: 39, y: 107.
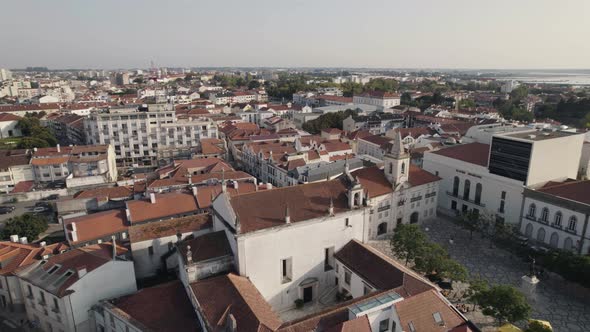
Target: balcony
x: 461, y: 198
x: 384, y: 208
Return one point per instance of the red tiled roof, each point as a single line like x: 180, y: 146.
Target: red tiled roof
x: 8, y: 117
x: 265, y: 209
x: 231, y: 294
x: 23, y: 187
x: 107, y: 193
x: 417, y: 176
x: 97, y: 225
x: 473, y: 153
x: 360, y: 324
x: 373, y: 181
x: 206, y: 246
x: 163, y: 228
x: 49, y: 161
x: 377, y: 140
x: 578, y: 191
x: 163, y: 308
x: 419, y: 310
x: 16, y: 255
x: 166, y: 205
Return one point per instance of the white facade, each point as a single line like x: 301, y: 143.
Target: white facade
x: 382, y: 102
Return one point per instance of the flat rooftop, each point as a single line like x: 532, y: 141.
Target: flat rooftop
x: 541, y: 135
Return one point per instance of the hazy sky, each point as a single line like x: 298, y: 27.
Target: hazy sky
x: 311, y: 33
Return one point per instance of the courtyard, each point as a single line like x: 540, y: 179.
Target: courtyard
x: 564, y: 304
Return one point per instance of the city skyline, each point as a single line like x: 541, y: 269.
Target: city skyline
x: 427, y: 34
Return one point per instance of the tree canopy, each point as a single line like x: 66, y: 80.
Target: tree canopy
x: 505, y: 303
x: 27, y: 225
x: 537, y: 326
x: 35, y: 134
x: 328, y: 120
x: 407, y: 241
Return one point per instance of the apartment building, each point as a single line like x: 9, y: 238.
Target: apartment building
x: 15, y: 167
x: 141, y: 135
x: 378, y: 98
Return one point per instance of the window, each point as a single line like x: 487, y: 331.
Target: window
x: 558, y: 218
x: 411, y: 327
x: 391, y: 168
x: 366, y: 289
x: 438, y: 318
x: 532, y: 210
x: 454, y: 205
x: 328, y: 259
x: 545, y: 214
x: 464, y: 208
x: 403, y: 168
x: 347, y: 275
x: 55, y: 305
x: 456, y: 186
x: 384, y: 325
x: 466, y: 189
x: 286, y: 270
x: 30, y: 290
x: 503, y: 195
x: 478, y: 188
x: 502, y: 206
x: 347, y: 222
x: 572, y: 224
x: 42, y: 297
x: 151, y: 250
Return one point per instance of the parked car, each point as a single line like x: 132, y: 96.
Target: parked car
x: 51, y: 197
x: 6, y: 209
x: 40, y: 209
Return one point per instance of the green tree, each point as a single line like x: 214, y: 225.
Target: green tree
x: 467, y: 103
x: 505, y: 303
x: 477, y: 287
x: 469, y: 220
x: 32, y: 142
x: 328, y: 120
x: 536, y: 326
x: 35, y: 134
x: 519, y: 93
x: 382, y: 84
x: 407, y: 241
x: 406, y: 99
x: 431, y: 258
x: 27, y: 225
x: 254, y: 84
x: 453, y: 270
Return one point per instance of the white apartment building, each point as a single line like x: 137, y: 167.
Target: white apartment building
x: 59, y: 291
x: 491, y: 178
x: 15, y: 167
x: 378, y: 98
x: 556, y: 214
x: 143, y: 135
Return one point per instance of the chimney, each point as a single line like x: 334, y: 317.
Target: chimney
x: 34, y: 149
x: 14, y: 238
x: 189, y: 255
x: 195, y: 191
x: 153, y: 198
x: 42, y: 243
x: 128, y: 215
x: 58, y: 148
x: 287, y: 215
x: 23, y: 240
x: 269, y: 185
x: 73, y: 234
x: 331, y: 208
x: 235, y: 185
x: 223, y: 186
x: 81, y: 272
x: 114, y: 243
x: 232, y: 325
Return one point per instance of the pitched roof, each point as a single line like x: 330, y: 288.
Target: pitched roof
x: 420, y: 310
x: 165, y: 307
x: 265, y: 209
x: 169, y: 227
x: 373, y: 181
x: 9, y: 158
x: 206, y: 246
x: 14, y: 256
x: 377, y: 139
x: 231, y: 294
x: 106, y: 192
x: 68, y: 264
x: 8, y: 117
x: 96, y: 225
x: 473, y: 153
x: 166, y: 205
x: 576, y: 191
x: 360, y: 324
x: 417, y: 176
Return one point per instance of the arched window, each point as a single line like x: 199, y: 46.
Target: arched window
x: 478, y: 188
x: 382, y: 228
x: 557, y: 220
x: 466, y: 189
x: 572, y: 224
x: 532, y: 210
x: 554, y: 240
x: 545, y: 214
x: 403, y: 168
x: 568, y: 244
x: 541, y: 235
x: 456, y: 186
x: 528, y: 230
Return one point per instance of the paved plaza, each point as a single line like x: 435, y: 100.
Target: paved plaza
x: 564, y: 304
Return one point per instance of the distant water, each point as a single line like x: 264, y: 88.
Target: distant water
x: 564, y: 78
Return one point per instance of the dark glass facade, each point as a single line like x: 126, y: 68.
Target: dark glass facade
x: 510, y: 158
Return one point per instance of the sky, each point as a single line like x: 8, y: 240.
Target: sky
x: 470, y: 34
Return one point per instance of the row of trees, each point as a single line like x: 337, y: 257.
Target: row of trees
x: 503, y: 302
x: 35, y: 135
x: 570, y: 111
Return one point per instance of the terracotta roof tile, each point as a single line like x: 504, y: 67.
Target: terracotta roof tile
x: 420, y: 309
x: 578, y: 191
x: 96, y: 225
x: 166, y: 205
x: 114, y: 193
x: 169, y: 227
x: 373, y: 181
x: 360, y: 324
x: 473, y: 153
x: 417, y: 176
x: 206, y: 246
x: 163, y: 308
